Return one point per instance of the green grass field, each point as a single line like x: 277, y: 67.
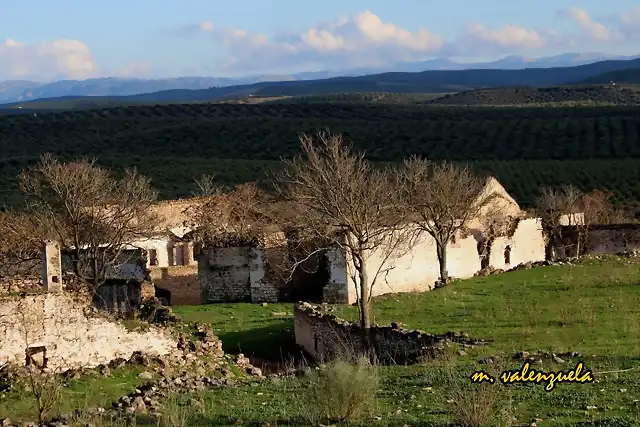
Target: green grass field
x: 591, y: 307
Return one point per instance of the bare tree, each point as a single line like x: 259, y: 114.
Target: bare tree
x: 20, y: 250
x: 599, y: 209
x: 339, y: 201
x: 552, y: 205
x: 207, y: 186
x: 580, y: 211
x: 235, y: 218
x: 443, y: 198
x: 93, y: 215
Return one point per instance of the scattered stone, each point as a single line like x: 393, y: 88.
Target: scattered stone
x: 105, y: 371
x: 138, y: 405
x: 256, y: 372
x: 279, y: 313
x: 557, y: 359
x: 242, y: 361
x: 264, y: 304
x: 145, y: 375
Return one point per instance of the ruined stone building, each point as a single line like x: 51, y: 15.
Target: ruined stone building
x: 233, y: 274
x: 58, y: 325
x: 170, y: 255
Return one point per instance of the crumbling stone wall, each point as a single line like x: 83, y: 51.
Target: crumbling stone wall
x: 181, y: 281
x: 234, y: 274
x: 525, y: 245
x: 31, y: 284
x: 325, y: 336
x: 73, y: 333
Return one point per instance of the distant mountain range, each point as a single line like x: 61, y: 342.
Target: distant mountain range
x: 22, y: 90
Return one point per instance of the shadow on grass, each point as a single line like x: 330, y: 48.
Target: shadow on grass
x: 272, y: 346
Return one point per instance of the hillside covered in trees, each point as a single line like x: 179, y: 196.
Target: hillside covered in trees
x: 525, y: 148
x: 545, y: 96
x: 627, y: 76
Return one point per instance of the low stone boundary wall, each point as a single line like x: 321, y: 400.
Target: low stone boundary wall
x: 325, y: 336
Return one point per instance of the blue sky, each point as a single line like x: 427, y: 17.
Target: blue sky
x: 79, y: 39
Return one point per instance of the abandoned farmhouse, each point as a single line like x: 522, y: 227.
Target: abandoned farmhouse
x: 185, y: 274
x: 229, y: 274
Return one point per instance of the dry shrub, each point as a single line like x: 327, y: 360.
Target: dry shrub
x: 477, y: 405
x: 341, y: 391
x: 179, y: 412
x: 46, y: 389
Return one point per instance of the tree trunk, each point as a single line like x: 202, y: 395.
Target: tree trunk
x: 95, y: 279
x: 365, y: 298
x: 580, y: 238
x: 364, y: 302
x: 441, y: 250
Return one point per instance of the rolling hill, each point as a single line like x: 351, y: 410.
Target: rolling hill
x: 22, y: 90
x: 437, y: 81
x: 545, y: 96
x: 627, y: 76
x: 526, y: 148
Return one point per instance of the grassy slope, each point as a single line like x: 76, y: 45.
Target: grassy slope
x: 591, y: 307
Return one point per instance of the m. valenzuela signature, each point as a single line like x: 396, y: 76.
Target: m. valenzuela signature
x: 525, y: 374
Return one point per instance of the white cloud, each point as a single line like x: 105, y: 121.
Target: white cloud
x: 61, y: 58
x: 509, y: 36
x: 358, y: 40
x: 365, y: 40
x: 595, y: 30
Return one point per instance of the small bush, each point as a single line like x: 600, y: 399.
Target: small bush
x: 478, y: 405
x: 45, y: 388
x: 341, y: 391
x: 179, y: 411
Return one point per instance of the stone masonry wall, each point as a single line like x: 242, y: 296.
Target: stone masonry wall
x: 224, y: 275
x: 72, y: 332
x: 181, y: 280
x: 325, y: 336
x: 234, y: 274
x: 261, y: 288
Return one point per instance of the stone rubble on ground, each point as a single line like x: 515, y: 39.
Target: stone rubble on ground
x: 194, y: 366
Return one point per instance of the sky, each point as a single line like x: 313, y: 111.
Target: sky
x: 77, y: 39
